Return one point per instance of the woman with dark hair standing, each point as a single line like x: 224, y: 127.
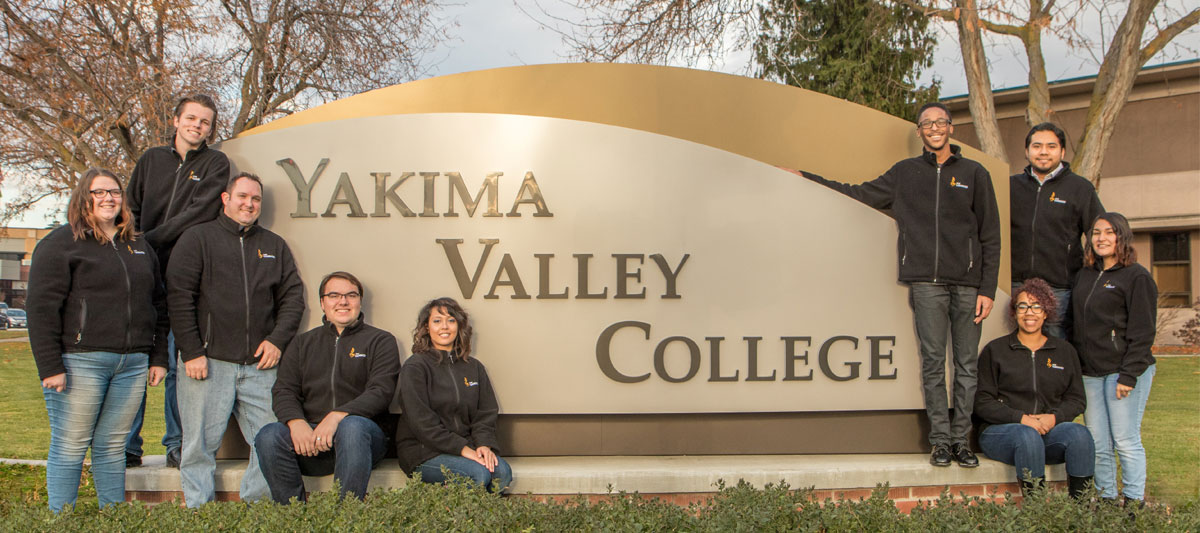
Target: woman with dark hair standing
x: 1030, y: 390
x: 1115, y: 309
x: 449, y: 417
x: 98, y: 329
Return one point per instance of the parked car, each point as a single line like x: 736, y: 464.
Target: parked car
x: 16, y: 318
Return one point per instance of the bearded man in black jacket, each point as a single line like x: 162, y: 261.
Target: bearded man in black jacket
x: 333, y: 380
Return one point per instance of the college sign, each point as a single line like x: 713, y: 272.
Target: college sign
x: 620, y: 238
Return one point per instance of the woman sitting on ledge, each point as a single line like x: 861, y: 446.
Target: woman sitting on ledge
x: 449, y: 417
x: 1030, y: 389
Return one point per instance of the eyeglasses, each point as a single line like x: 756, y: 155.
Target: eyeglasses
x: 101, y: 193
x: 929, y: 124
x: 337, y: 296
x: 1026, y: 308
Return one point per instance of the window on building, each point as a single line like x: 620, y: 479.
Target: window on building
x: 1171, y: 266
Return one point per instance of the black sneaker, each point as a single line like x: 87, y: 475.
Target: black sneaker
x: 132, y: 461
x: 965, y: 457
x: 173, y: 458
x: 940, y: 455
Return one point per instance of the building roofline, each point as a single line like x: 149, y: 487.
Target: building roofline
x: 1172, y: 70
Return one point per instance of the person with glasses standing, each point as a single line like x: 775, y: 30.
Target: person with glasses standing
x: 949, y: 254
x: 1030, y: 390
x: 173, y: 188
x: 332, y: 381
x: 235, y: 299
x: 1050, y: 209
x: 1115, y: 313
x: 98, y: 332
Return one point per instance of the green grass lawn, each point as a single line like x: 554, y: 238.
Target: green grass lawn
x: 1170, y: 431
x: 13, y: 333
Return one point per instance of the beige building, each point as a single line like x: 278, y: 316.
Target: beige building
x: 1151, y: 173
x: 16, y: 249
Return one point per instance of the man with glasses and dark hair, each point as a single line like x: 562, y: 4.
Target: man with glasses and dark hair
x: 1051, y: 208
x: 235, y: 299
x: 949, y: 253
x: 173, y: 188
x: 332, y: 382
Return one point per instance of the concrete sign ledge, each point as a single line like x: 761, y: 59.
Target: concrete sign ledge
x: 652, y: 475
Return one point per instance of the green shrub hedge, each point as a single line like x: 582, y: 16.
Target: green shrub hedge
x: 423, y: 507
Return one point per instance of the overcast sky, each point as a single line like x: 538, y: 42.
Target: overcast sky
x: 503, y: 33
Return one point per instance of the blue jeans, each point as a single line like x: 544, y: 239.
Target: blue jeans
x: 431, y: 471
x: 1021, y: 446
x: 358, y: 445
x: 1118, y: 424
x: 204, y: 409
x: 939, y: 309
x: 96, y: 409
x: 1061, y: 325
x: 171, y: 435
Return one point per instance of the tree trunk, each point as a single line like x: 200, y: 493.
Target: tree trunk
x: 1113, y: 85
x: 979, y: 83
x: 1038, y: 109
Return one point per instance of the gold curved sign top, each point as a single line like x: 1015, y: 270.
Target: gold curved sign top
x: 773, y: 123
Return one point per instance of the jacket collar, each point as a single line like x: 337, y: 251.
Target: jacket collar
x: 353, y: 327
x: 191, y: 153
x: 931, y: 158
x: 231, y: 225
x: 1014, y: 342
x: 1066, y: 169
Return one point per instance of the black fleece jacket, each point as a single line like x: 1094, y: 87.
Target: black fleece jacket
x: 85, y: 297
x: 321, y: 371
x: 1048, y: 220
x: 229, y: 288
x: 1015, y: 381
x: 169, y: 194
x: 448, y: 403
x: 949, y: 223
x: 1115, y: 313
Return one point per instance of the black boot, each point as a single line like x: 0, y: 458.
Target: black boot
x: 1029, y: 485
x: 1077, y: 486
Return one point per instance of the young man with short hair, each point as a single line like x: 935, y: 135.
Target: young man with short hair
x: 235, y: 299
x: 949, y: 238
x: 173, y: 188
x: 1051, y: 208
x: 334, y: 380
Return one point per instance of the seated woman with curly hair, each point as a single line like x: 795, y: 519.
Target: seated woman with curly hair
x: 1030, y: 390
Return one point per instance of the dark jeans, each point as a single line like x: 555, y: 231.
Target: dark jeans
x: 1060, y: 325
x: 431, y: 471
x: 172, y: 436
x: 358, y: 445
x: 939, y: 309
x: 1021, y: 446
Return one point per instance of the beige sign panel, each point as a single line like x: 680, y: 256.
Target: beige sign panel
x: 607, y: 270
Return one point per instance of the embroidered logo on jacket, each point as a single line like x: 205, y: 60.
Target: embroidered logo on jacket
x: 356, y: 355
x: 958, y: 184
x: 261, y: 255
x: 134, y: 252
x: 1054, y: 199
x: 1050, y: 364
x: 1109, y: 285
x: 469, y: 383
x: 192, y: 175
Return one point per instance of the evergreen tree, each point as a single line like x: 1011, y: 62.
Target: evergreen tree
x: 869, y: 52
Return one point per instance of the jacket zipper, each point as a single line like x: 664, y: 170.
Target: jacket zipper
x: 245, y: 290
x: 1088, y: 300
x: 128, y: 295
x: 174, y: 187
x: 82, y: 319
x: 970, y: 253
x: 1113, y: 336
x: 1037, y: 202
x: 937, y: 211
x: 333, y: 372
x: 454, y: 385
x: 1033, y: 369
x: 208, y: 331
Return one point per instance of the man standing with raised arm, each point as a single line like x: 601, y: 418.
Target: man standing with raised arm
x: 1051, y: 209
x: 173, y: 188
x: 949, y: 251
x: 235, y: 299
x: 333, y: 381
